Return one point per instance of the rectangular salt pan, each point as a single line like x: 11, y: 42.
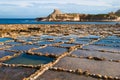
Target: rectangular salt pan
x: 106, y: 55
x: 15, y: 73
x: 13, y: 43
x: 45, y: 43
x: 6, y: 53
x: 105, y: 48
x: 92, y: 66
x: 51, y: 50
x: 23, y: 47
x: 67, y: 45
x: 105, y: 42
x: 29, y: 60
x: 57, y: 75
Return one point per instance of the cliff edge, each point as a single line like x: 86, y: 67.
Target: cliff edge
x: 57, y: 15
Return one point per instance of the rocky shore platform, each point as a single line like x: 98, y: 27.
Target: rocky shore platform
x: 59, y: 52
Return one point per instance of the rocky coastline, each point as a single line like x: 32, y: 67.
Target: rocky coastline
x: 57, y: 16
x: 14, y: 30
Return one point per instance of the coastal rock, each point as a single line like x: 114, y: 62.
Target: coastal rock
x: 57, y: 15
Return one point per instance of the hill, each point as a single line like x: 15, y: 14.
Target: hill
x: 57, y: 15
x: 118, y: 12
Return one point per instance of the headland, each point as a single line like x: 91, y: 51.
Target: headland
x: 57, y: 15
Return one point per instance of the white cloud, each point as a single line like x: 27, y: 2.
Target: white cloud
x: 44, y: 7
x: 26, y: 3
x: 16, y: 3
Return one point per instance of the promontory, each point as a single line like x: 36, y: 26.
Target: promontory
x: 57, y: 15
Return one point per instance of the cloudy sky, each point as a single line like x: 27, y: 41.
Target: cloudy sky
x: 37, y: 8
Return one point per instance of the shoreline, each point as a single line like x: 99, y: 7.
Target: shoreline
x: 33, y: 21
x: 13, y: 30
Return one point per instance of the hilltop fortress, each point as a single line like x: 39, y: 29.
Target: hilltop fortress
x: 57, y: 15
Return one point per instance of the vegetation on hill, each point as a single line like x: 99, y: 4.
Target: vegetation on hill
x: 118, y: 13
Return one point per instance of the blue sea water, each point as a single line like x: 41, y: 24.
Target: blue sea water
x: 33, y: 21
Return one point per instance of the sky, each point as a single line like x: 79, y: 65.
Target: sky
x: 42, y: 8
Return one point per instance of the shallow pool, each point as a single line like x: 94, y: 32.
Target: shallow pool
x: 29, y: 59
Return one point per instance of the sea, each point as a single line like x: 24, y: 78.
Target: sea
x: 33, y: 21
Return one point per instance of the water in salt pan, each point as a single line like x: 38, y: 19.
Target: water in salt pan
x: 61, y: 40
x: 5, y: 39
x: 44, y: 37
x: 44, y: 43
x: 86, y: 39
x: 6, y: 53
x: 29, y: 59
x: 71, y: 36
x: 112, y: 37
x: 67, y: 45
x: 32, y: 39
x: 13, y: 43
x: 109, y: 41
x: 23, y: 47
x: 82, y: 41
x: 92, y: 37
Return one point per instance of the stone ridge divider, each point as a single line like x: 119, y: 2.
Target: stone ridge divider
x: 69, y: 48
x: 107, y: 45
x: 101, y: 51
x: 5, y: 47
x: 13, y: 39
x: 3, y: 43
x: 85, y: 73
x: 95, y: 40
x: 92, y: 58
x: 21, y: 65
x: 58, y: 43
x: 55, y: 44
x: 30, y: 50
